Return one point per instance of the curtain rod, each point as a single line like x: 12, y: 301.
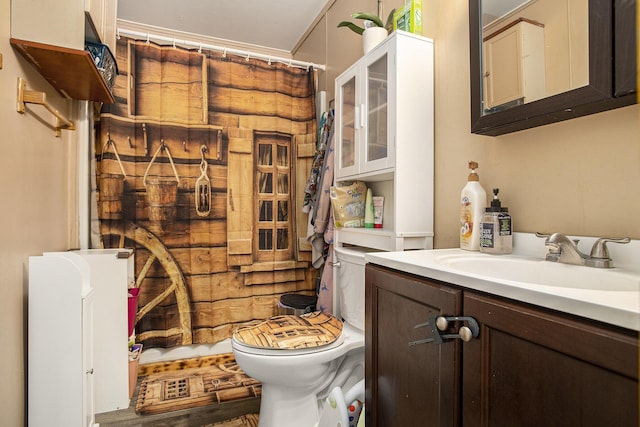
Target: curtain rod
x: 189, y: 43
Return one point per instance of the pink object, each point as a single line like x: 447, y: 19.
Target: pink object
x: 133, y: 308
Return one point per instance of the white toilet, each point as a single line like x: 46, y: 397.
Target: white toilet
x: 297, y: 384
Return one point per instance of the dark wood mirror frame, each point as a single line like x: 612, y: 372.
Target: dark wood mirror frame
x: 612, y: 73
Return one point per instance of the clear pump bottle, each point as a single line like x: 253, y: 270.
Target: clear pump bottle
x: 496, y: 236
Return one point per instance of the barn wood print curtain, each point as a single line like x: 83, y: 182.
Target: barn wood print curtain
x: 200, y: 166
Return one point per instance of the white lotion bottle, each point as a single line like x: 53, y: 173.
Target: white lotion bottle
x: 368, y: 209
x: 473, y: 200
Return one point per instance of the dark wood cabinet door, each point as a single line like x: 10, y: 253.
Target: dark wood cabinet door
x: 534, y: 368
x: 409, y: 386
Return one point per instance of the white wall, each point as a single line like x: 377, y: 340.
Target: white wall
x: 578, y: 177
x: 38, y: 208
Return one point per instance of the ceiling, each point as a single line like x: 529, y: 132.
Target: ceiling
x: 277, y: 25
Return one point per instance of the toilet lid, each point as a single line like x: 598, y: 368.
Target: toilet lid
x: 310, y: 330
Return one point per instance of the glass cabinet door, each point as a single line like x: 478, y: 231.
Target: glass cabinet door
x: 349, y: 127
x: 365, y: 142
x: 377, y: 82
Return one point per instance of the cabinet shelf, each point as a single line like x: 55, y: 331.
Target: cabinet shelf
x: 71, y: 72
x: 383, y: 239
x: 374, y: 176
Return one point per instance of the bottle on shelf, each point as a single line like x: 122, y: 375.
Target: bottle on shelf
x: 368, y: 209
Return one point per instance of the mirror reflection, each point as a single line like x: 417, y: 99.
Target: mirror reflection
x: 532, y: 49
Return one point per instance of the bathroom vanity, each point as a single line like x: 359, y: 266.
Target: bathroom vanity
x: 537, y: 357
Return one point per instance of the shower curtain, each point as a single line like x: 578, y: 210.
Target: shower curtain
x: 200, y: 166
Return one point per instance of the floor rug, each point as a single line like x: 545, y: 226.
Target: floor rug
x: 250, y: 420
x: 192, y: 387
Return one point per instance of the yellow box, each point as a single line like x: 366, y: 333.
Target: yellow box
x: 409, y: 17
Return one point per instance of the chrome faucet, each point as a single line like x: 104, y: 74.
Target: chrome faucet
x: 564, y: 250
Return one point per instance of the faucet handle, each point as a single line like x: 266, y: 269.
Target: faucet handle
x: 553, y: 248
x: 600, y: 250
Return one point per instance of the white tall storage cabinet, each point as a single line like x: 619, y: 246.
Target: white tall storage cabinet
x: 112, y: 270
x: 384, y: 137
x: 78, y: 335
x: 60, y: 375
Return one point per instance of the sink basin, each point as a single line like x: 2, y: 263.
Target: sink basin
x: 540, y: 272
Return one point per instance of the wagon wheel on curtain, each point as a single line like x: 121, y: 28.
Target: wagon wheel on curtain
x: 158, y: 251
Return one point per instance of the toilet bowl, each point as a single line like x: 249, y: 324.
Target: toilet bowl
x: 296, y: 382
x: 292, y: 379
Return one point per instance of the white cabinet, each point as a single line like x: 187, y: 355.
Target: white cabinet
x: 384, y: 136
x: 514, y: 65
x: 60, y: 340
x: 111, y: 270
x: 102, y: 14
x: 78, y: 335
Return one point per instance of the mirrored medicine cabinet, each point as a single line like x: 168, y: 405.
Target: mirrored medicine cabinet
x: 536, y: 62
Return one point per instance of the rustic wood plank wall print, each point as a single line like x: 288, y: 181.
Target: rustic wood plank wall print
x: 200, y: 165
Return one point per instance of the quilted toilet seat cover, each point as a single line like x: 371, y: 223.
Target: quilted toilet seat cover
x: 310, y: 330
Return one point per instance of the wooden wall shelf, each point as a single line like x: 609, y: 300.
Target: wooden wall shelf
x: 71, y: 72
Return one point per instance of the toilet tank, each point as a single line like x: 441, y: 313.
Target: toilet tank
x: 348, y: 269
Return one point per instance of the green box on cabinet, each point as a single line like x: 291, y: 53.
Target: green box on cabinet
x: 409, y: 17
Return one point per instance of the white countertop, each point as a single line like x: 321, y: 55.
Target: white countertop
x: 615, y: 307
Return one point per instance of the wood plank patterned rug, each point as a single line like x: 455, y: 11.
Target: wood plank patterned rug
x: 250, y: 420
x: 191, y: 383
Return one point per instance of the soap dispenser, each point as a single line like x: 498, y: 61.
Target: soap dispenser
x: 473, y: 200
x: 495, y: 229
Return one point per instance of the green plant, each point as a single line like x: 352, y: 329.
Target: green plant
x: 373, y: 19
